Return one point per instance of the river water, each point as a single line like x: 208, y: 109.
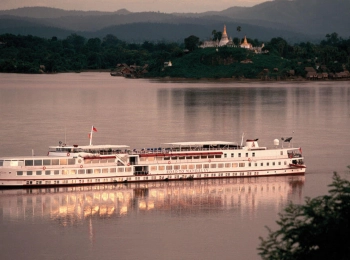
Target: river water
x: 204, y: 219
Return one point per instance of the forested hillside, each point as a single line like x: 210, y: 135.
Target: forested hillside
x: 30, y: 54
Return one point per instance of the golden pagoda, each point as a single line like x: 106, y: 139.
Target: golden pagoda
x: 246, y: 44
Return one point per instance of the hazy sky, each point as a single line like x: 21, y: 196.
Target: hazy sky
x: 167, y: 6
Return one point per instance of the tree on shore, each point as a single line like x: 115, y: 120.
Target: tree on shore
x: 239, y: 29
x: 317, y: 230
x: 29, y: 54
x: 191, y: 42
x: 216, y: 35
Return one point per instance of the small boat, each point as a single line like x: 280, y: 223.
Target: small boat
x: 115, y: 73
x: 89, y: 164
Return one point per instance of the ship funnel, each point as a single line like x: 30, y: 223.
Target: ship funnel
x: 276, y: 142
x: 250, y: 143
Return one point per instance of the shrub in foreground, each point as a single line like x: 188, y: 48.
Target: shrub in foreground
x: 317, y: 230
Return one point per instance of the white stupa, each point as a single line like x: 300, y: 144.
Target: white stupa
x: 224, y: 39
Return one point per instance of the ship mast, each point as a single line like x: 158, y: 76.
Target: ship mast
x: 93, y: 129
x: 242, y: 139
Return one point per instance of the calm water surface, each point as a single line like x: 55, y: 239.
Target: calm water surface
x: 176, y: 220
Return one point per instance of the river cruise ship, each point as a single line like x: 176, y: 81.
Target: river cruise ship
x: 90, y: 164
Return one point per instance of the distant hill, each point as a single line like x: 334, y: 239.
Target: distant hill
x: 297, y: 20
x: 47, y: 12
x: 14, y: 25
x: 306, y: 16
x: 139, y: 32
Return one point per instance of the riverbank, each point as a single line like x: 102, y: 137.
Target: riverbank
x: 183, y: 79
x: 245, y: 80
x: 178, y: 79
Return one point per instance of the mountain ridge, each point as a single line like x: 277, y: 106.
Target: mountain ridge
x: 297, y: 19
x: 50, y: 12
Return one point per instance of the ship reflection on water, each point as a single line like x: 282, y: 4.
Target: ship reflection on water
x: 72, y: 205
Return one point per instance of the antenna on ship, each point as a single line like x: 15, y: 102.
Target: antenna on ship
x: 287, y: 140
x: 242, y: 139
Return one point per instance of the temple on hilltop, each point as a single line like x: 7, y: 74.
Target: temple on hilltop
x: 226, y: 41
x: 246, y: 44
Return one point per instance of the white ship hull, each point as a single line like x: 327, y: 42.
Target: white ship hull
x: 74, y: 165
x: 164, y: 177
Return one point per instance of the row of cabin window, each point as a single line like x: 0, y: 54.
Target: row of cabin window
x: 87, y: 161
x: 194, y: 157
x: 45, y: 162
x: 207, y: 166
x: 64, y: 161
x: 239, y: 155
x: 183, y: 157
x: 72, y: 172
x: 267, y: 164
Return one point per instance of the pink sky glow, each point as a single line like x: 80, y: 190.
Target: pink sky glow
x: 165, y: 6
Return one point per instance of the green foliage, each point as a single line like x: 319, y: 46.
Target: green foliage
x: 26, y: 54
x: 191, y: 42
x: 278, y: 46
x: 224, y: 63
x: 317, y: 230
x: 216, y: 35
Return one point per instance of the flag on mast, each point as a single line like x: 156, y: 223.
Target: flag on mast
x: 93, y: 129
